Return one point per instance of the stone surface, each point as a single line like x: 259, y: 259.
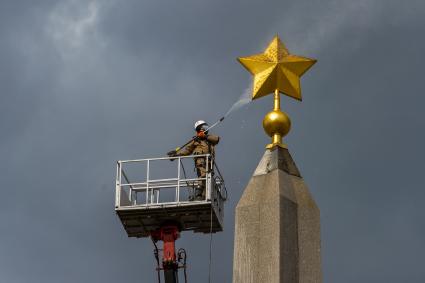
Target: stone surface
x: 277, y: 228
x: 277, y: 158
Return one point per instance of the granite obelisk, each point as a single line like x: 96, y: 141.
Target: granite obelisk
x: 277, y: 227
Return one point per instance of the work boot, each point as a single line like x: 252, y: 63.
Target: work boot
x: 198, y: 194
x: 192, y: 191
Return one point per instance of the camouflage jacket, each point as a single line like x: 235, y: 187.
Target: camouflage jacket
x: 200, y: 146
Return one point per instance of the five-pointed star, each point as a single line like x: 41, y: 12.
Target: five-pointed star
x: 276, y: 69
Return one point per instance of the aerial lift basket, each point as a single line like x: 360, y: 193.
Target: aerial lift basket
x: 147, y: 203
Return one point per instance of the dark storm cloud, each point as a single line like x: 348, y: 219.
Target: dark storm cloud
x: 85, y: 83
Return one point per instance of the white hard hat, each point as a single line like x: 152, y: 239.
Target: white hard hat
x: 199, y: 123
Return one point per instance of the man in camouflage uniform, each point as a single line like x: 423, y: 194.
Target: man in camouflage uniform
x: 203, y: 143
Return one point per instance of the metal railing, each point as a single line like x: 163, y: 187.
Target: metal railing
x: 167, y: 191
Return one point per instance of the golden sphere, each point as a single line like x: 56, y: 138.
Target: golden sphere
x: 276, y: 122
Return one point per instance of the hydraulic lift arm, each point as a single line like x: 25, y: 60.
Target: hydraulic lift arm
x: 170, y: 264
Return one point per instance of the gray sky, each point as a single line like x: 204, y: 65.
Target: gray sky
x: 84, y: 83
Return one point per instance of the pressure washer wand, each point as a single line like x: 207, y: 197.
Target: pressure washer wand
x: 180, y: 147
x: 209, y: 128
x: 216, y: 123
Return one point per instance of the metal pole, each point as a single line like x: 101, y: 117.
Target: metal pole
x: 178, y: 181
x: 147, y: 181
x: 208, y: 180
x: 117, y: 187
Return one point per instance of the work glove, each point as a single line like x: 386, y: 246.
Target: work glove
x: 201, y: 135
x: 172, y: 153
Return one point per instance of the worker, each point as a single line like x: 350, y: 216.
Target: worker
x: 202, y: 143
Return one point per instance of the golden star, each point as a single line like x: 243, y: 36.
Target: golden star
x: 276, y: 69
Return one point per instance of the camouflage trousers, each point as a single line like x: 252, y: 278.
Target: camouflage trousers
x: 201, y: 171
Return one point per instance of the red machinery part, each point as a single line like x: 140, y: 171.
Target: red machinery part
x: 168, y: 234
